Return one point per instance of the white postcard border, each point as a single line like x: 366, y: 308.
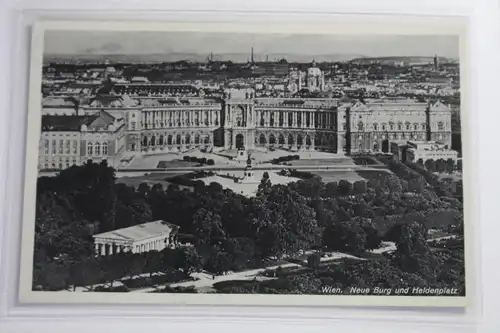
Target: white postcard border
x: 439, y: 27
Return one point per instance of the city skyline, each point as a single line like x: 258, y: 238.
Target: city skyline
x: 146, y: 43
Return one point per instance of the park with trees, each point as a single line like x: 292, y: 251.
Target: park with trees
x: 223, y: 231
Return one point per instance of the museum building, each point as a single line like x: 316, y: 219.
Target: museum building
x: 242, y: 120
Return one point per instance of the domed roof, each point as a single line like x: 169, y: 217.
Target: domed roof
x: 313, y: 71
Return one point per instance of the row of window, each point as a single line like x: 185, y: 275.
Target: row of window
x: 61, y: 164
x: 400, y: 127
x: 172, y: 124
x: 61, y: 147
x: 97, y: 148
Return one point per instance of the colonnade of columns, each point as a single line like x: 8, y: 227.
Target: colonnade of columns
x: 180, y: 118
x: 169, y: 140
x: 307, y: 119
x: 292, y: 140
x: 104, y: 247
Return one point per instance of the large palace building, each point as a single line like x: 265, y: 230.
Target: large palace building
x: 154, y: 125
x: 240, y: 120
x: 141, y: 118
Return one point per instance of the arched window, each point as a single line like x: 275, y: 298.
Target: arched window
x: 178, y: 139
x: 383, y: 127
x: 105, y: 148
x: 424, y: 126
x: 262, y: 139
x: 272, y: 139
x: 160, y: 140
x: 90, y: 148
x: 188, y: 139
x: 145, y: 141
x: 440, y: 126
x: 415, y: 126
x: 391, y: 126
x: 407, y: 126
x: 197, y: 139
x: 299, y: 140
x: 169, y: 140
x: 97, y: 148
x: 281, y: 139
x: 400, y: 126
x: 360, y: 126
x: 375, y: 127
x: 290, y: 139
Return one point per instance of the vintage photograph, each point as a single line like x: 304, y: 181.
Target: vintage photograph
x: 198, y: 162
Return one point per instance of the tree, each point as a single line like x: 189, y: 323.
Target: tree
x: 241, y: 251
x: 355, y: 235
x: 186, y: 259
x: 265, y: 185
x: 313, y: 261
x: 283, y: 222
x: 440, y: 165
x: 208, y: 226
x: 330, y: 189
x: 360, y: 187
x: 413, y: 254
x: 219, y: 262
x: 50, y: 276
x: 450, y: 165
x: 430, y: 165
x: 153, y: 262
x: 344, y: 188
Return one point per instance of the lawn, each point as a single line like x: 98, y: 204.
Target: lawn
x: 336, y: 176
x: 176, y: 164
x: 322, y: 162
x: 365, y: 160
x: 150, y: 179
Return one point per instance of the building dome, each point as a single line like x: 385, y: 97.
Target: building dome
x: 314, y: 71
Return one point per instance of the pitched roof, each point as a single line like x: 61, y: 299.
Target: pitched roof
x: 102, y: 120
x: 63, y: 123
x: 139, y: 232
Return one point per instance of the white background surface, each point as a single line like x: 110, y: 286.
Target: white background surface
x: 485, y: 117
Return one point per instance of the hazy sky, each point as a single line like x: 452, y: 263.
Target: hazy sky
x: 98, y: 42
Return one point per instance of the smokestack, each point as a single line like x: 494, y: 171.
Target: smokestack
x: 252, y: 56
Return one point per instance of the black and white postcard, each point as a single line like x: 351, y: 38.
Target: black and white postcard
x: 241, y: 164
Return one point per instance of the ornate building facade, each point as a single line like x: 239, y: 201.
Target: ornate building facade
x: 238, y: 119
x: 242, y: 120
x: 73, y: 139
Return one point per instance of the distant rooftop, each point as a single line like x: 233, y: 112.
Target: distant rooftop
x: 72, y: 123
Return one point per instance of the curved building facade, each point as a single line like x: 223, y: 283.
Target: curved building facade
x: 240, y: 119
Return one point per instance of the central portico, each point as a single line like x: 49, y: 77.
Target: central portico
x: 239, y: 122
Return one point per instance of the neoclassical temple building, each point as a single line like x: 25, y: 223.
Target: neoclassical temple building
x: 150, y: 236
x: 239, y: 119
